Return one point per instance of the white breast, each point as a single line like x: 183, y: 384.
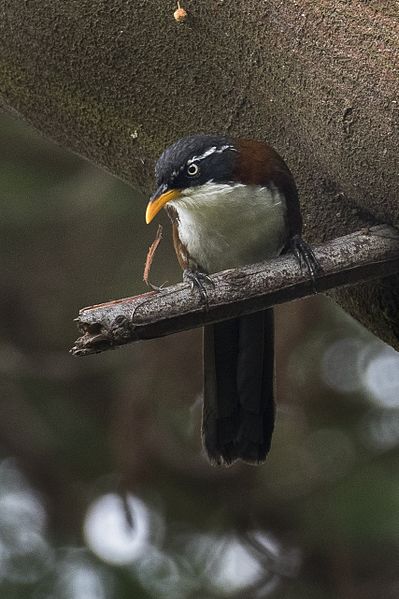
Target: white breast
x: 224, y: 226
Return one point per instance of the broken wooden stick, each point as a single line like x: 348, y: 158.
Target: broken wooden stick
x: 355, y: 258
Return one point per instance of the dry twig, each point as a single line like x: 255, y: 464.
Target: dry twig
x: 348, y: 260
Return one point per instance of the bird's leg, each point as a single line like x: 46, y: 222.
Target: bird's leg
x: 197, y: 280
x: 305, y: 256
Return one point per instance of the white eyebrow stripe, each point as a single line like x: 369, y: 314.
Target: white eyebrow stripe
x: 210, y: 151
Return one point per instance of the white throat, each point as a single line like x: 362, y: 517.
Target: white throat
x: 224, y: 226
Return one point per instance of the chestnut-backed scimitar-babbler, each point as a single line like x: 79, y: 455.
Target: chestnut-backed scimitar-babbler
x: 231, y: 202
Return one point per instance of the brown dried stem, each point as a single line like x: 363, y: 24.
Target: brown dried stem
x: 354, y: 258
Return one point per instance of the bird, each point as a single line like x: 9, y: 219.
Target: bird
x: 232, y: 202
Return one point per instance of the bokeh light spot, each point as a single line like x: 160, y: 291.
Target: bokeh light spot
x: 340, y: 365
x: 79, y: 578
x: 159, y: 574
x: 109, y: 535
x: 381, y: 377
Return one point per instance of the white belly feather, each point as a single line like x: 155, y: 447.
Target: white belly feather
x: 224, y: 226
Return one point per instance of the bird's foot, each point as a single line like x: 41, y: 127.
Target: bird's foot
x: 305, y: 257
x: 197, y: 280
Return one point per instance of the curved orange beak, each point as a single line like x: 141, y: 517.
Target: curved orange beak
x: 158, y: 201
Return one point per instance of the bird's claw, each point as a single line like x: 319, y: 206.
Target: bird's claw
x: 305, y: 257
x: 197, y: 280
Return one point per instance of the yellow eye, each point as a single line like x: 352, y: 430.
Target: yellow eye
x: 193, y: 169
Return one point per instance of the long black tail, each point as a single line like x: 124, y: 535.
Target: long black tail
x: 238, y: 413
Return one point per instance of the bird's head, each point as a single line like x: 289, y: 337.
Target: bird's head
x: 202, y: 160
x: 191, y: 162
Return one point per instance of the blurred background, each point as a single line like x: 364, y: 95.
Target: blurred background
x: 104, y: 489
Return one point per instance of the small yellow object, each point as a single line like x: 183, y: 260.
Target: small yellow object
x: 180, y: 14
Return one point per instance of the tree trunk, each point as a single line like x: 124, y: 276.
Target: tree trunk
x: 116, y: 81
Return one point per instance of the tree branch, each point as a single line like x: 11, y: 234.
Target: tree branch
x: 348, y: 260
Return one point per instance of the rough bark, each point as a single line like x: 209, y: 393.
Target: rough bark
x: 115, y: 81
x: 345, y: 261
